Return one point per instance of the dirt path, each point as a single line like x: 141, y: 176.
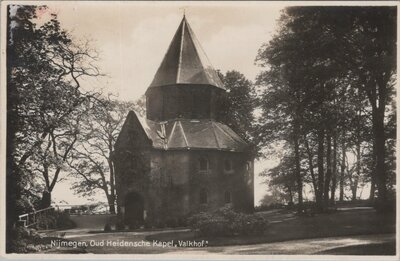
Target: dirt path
x: 356, y: 245
x: 296, y: 247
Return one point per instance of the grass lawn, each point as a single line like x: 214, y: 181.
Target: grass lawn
x: 370, y: 249
x: 341, y: 223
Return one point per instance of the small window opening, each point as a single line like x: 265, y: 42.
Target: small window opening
x: 228, y: 197
x: 228, y: 165
x: 203, y: 164
x: 203, y: 196
x: 248, y: 166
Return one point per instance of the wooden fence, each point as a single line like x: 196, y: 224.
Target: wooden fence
x: 30, y: 219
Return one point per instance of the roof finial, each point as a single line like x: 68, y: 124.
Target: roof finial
x: 184, y: 11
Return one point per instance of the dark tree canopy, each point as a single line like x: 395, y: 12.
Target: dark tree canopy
x: 44, y: 98
x: 238, y: 104
x: 326, y: 83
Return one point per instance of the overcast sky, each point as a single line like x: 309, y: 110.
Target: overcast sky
x: 132, y: 38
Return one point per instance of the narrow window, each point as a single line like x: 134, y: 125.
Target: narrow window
x: 248, y: 166
x: 228, y: 165
x: 203, y: 196
x: 228, y: 198
x: 203, y: 164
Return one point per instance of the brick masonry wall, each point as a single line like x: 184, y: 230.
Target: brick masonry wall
x: 182, y: 101
x: 170, y: 181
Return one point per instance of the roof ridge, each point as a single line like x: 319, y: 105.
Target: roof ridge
x: 186, y: 62
x: 197, y: 43
x: 193, y: 136
x: 171, y: 134
x: 184, y: 135
x: 227, y: 134
x: 215, y: 135
x: 178, y: 73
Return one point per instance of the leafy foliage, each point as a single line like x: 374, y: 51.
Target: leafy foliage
x: 326, y: 83
x: 238, y: 104
x: 91, y: 160
x: 226, y: 222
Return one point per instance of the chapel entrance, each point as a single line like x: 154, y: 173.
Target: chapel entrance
x: 134, y: 210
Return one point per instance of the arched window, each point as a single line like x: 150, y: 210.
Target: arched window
x: 228, y: 197
x: 203, y: 196
x: 203, y: 164
x: 228, y: 165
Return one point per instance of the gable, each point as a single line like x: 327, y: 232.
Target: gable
x: 133, y: 134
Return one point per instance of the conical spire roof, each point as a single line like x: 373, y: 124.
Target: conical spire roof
x: 185, y: 62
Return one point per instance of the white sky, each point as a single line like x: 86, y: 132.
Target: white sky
x: 132, y: 38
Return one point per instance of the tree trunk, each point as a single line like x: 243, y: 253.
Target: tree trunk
x: 13, y: 170
x: 334, y: 170
x: 373, y: 182
x: 112, y: 188
x: 358, y: 168
x: 311, y: 166
x: 380, y: 173
x: 372, y: 190
x: 46, y: 199
x: 354, y: 188
x: 111, y: 203
x: 290, y: 194
x: 342, y: 169
x: 328, y: 169
x: 298, y: 170
x: 320, y: 155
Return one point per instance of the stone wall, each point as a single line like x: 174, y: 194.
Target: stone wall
x: 182, y: 101
x: 171, y: 181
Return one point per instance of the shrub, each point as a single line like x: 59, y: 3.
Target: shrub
x: 226, y: 222
x: 64, y: 221
x: 182, y: 222
x: 107, y: 227
x: 120, y: 225
x: 171, y: 222
x: 148, y: 224
x: 24, y: 240
x: 54, y: 219
x: 211, y: 225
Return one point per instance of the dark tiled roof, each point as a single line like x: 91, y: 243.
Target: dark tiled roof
x: 185, y: 62
x: 192, y: 134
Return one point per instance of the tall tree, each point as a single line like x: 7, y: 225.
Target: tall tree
x: 237, y: 104
x: 372, y: 42
x: 302, y: 72
x: 19, y: 30
x: 328, y: 58
x: 44, y: 69
x: 92, y: 162
x: 51, y: 157
x: 281, y: 179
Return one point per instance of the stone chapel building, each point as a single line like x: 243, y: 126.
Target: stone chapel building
x: 179, y: 160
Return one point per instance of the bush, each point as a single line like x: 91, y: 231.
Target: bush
x: 148, y: 224
x: 182, y: 222
x: 64, y: 221
x: 269, y: 207
x: 120, y: 225
x: 171, y: 222
x: 226, y: 222
x: 107, y: 227
x: 55, y: 219
x: 24, y: 240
